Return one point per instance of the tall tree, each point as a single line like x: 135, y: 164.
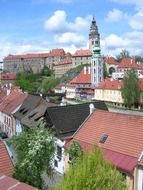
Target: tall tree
x: 130, y: 90
x: 34, y: 150
x: 92, y: 172
x: 123, y: 54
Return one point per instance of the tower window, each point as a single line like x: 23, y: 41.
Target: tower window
x: 92, y: 42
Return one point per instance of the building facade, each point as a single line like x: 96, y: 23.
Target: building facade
x: 62, y: 67
x: 96, y: 67
x: 81, y: 57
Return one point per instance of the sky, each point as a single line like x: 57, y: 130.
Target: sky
x: 31, y: 26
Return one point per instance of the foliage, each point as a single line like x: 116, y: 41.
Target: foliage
x: 69, y: 75
x: 34, y: 149
x: 48, y: 84
x: 123, y: 54
x: 74, y: 151
x: 31, y: 82
x: 130, y: 90
x: 105, y: 72
x: 47, y: 72
x: 92, y: 172
x: 138, y: 58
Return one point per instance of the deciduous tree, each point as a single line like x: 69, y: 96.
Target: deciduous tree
x: 130, y: 90
x: 92, y: 172
x: 34, y: 149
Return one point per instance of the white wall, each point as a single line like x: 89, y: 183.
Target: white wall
x: 60, y: 162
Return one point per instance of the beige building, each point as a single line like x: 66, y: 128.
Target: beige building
x: 110, y: 91
x: 62, y: 67
x: 81, y: 57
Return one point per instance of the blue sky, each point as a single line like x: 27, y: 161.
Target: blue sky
x: 40, y: 25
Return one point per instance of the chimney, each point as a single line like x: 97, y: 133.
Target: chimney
x: 7, y: 91
x: 63, y: 102
x: 92, y: 108
x: 84, y: 70
x: 89, y: 70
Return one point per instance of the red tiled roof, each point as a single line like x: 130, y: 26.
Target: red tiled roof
x: 124, y: 132
x: 7, y: 183
x: 130, y: 63
x: 80, y: 53
x: 109, y: 84
x: 26, y: 56
x: 111, y: 60
x: 65, y: 61
x: 82, y: 78
x: 8, y: 76
x: 52, y: 53
x: 121, y: 161
x: 12, y: 101
x: 57, y: 52
x: 6, y: 165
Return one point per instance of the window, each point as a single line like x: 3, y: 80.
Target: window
x: 59, y: 152
x: 103, y: 138
x: 55, y: 163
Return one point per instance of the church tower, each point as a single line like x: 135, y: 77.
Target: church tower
x: 97, y: 59
x: 94, y: 36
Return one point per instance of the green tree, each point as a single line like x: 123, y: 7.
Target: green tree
x: 48, y: 84
x: 92, y: 172
x: 74, y: 151
x: 123, y: 54
x: 105, y: 72
x: 34, y: 149
x: 46, y: 71
x: 130, y: 90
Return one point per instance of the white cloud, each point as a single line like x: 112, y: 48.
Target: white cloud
x: 20, y: 48
x: 70, y: 39
x: 136, y: 21
x: 132, y: 41
x: 58, y: 23
x: 115, y: 15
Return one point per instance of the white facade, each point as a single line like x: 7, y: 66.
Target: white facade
x: 59, y: 159
x: 71, y: 92
x: 96, y: 71
x: 120, y: 75
x: 140, y: 179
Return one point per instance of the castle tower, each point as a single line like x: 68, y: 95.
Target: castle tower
x: 94, y: 36
x: 96, y: 67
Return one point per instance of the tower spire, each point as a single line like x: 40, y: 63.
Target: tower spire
x: 94, y: 36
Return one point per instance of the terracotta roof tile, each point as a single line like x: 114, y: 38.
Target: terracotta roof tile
x: 124, y: 132
x: 7, y: 183
x: 52, y: 53
x: 130, y: 63
x: 10, y: 102
x: 109, y: 84
x: 80, y: 53
x: 8, y: 76
x: 6, y: 165
x: 82, y: 78
x: 111, y: 60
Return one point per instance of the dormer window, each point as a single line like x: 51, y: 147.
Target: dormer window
x: 103, y: 138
